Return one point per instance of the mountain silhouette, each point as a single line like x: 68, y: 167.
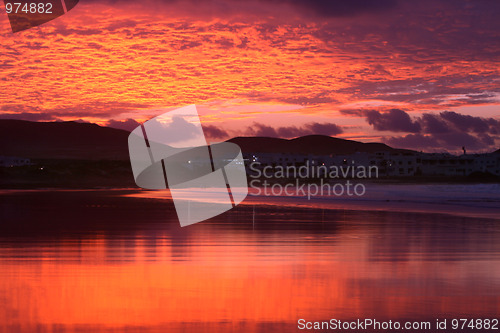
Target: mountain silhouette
x: 310, y: 144
x: 85, y: 141
x: 73, y: 140
x: 62, y: 140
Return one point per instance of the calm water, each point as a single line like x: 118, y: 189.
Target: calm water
x: 92, y: 261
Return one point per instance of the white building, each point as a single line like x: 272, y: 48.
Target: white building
x: 11, y: 161
x: 390, y: 163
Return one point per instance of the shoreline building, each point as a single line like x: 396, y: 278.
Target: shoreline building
x: 12, y: 161
x: 389, y: 163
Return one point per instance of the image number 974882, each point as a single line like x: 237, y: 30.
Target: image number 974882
x: 24, y: 15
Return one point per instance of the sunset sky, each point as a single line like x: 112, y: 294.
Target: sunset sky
x: 414, y: 74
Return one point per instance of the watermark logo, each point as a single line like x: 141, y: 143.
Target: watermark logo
x: 171, y: 151
x: 308, y: 178
x: 26, y: 14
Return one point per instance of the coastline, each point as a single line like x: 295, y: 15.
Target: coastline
x: 479, y: 200
x: 475, y: 201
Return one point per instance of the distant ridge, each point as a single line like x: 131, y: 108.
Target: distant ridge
x: 310, y: 144
x: 84, y: 141
x: 62, y: 140
x: 73, y: 140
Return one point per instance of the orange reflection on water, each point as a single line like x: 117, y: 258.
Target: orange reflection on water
x: 152, y: 281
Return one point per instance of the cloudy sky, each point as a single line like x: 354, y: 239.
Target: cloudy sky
x: 415, y: 74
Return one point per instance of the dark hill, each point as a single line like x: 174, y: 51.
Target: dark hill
x: 62, y: 140
x: 72, y: 140
x: 311, y: 144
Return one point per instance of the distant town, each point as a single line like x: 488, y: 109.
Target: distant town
x: 53, y: 154
x: 388, y: 163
